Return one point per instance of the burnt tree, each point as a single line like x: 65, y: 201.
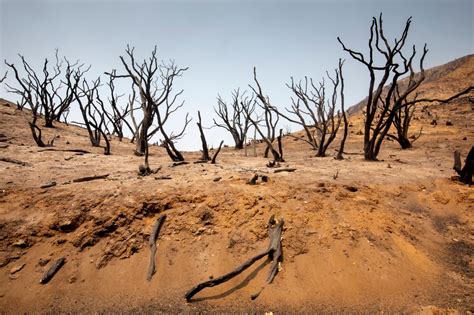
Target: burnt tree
x: 344, y: 116
x: 315, y: 111
x: 403, y: 116
x: 118, y: 116
x: 269, y: 119
x: 54, y: 89
x: 402, y: 121
x: 205, y: 151
x: 381, y: 105
x: 154, y: 81
x: 93, y: 113
x: 233, y: 117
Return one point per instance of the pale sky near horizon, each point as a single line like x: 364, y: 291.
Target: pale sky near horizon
x: 221, y: 41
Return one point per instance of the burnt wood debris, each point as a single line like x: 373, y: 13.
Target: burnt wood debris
x: 152, y: 243
x: 49, y: 274
x: 274, y: 254
x: 465, y: 173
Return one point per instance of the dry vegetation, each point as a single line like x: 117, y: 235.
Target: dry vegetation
x: 394, y: 235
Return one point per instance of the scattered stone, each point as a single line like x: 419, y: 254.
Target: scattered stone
x: 17, y: 268
x: 13, y: 277
x: 217, y: 179
x: 449, y: 123
x: 72, y: 279
x: 59, y: 241
x: 43, y: 262
x: 21, y: 243
x: 351, y: 188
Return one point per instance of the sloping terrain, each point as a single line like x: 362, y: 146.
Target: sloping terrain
x: 395, y: 235
x: 440, y: 82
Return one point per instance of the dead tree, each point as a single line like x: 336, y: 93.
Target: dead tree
x: 273, y: 252
x: 403, y: 116
x: 93, y: 113
x: 233, y: 116
x: 54, y: 90
x: 214, y: 157
x: 381, y: 105
x: 316, y: 112
x: 154, y: 82
x: 402, y: 121
x: 344, y: 115
x: 118, y: 117
x: 269, y: 119
x: 205, y: 150
x: 465, y: 173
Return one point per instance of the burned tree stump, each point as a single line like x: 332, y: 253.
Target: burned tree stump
x: 253, y: 180
x: 465, y: 173
x: 52, y: 271
x: 214, y: 157
x: 152, y: 242
x: 274, y: 253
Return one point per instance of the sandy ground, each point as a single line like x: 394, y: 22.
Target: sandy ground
x: 389, y: 236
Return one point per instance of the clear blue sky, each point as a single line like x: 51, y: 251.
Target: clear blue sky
x: 221, y: 41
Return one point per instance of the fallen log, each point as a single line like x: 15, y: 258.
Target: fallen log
x: 8, y: 160
x: 152, y: 243
x: 286, y: 169
x: 88, y: 178
x: 274, y: 253
x: 52, y: 271
x: 179, y: 163
x: 48, y: 184
x: 65, y: 150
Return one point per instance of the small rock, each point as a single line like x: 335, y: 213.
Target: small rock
x: 43, y: 262
x: 16, y: 268
x: 72, y: 279
x: 13, y: 277
x: 217, y: 179
x: 59, y: 241
x: 22, y: 243
x: 351, y: 188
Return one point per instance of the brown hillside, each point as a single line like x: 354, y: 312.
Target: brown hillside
x: 440, y: 82
x: 362, y: 237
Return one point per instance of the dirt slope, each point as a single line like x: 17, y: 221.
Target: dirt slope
x: 440, y: 82
x: 395, y: 235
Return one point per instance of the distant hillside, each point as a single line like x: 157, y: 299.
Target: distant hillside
x: 441, y: 81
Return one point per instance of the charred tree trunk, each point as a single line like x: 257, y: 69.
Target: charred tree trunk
x: 274, y: 253
x: 214, y: 157
x: 465, y: 173
x: 344, y: 116
x: 205, y: 150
